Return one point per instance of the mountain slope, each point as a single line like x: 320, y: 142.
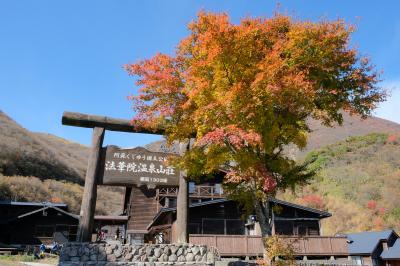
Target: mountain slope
x: 74, y: 155
x: 27, y: 154
x: 358, y: 182
x: 352, y: 126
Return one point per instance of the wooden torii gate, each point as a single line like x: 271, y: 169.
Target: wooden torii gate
x: 100, y: 124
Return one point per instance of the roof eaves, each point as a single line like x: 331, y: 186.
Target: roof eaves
x: 42, y: 209
x: 322, y: 214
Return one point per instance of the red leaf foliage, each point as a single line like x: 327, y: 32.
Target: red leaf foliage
x: 313, y: 201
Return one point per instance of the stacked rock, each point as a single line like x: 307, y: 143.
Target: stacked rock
x: 75, y: 253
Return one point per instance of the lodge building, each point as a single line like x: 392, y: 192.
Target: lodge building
x: 33, y: 223
x: 217, y: 221
x: 211, y: 213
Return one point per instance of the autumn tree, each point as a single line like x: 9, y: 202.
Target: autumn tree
x: 245, y: 91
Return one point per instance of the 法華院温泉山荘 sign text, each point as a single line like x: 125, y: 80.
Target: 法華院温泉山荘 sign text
x: 137, y: 166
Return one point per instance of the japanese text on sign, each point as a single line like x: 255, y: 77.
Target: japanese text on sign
x: 137, y: 166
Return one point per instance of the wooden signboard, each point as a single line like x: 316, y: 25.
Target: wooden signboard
x: 137, y: 166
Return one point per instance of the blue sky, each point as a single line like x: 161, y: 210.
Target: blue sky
x: 68, y: 55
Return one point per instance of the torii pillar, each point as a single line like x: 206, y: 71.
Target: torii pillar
x: 89, y: 196
x: 182, y: 203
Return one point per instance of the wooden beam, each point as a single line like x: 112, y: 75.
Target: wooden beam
x: 108, y: 123
x: 182, y: 204
x: 88, y: 205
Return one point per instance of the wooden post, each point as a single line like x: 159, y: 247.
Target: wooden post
x: 182, y: 205
x: 88, y: 205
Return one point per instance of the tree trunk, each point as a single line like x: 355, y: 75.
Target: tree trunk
x: 263, y: 216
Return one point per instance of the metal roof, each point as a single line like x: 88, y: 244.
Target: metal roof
x: 322, y: 214
x: 366, y: 242
x: 38, y: 204
x: 393, y: 252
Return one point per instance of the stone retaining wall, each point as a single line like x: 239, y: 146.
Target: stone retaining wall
x: 75, y: 253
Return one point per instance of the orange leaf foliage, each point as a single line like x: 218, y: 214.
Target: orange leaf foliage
x: 245, y: 91
x: 56, y: 200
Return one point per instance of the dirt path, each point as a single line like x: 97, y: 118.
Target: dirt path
x: 35, y: 264
x: 18, y: 263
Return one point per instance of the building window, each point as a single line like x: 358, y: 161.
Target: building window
x: 283, y: 228
x: 301, y: 230
x: 234, y: 227
x: 44, y: 230
x: 73, y: 229
x: 313, y: 230
x: 172, y: 203
x: 223, y: 227
x: 357, y: 260
x: 194, y: 228
x: 214, y: 226
x: 192, y: 187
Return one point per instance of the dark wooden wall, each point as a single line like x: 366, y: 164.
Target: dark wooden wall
x: 393, y: 262
x: 24, y: 231
x: 224, y: 218
x: 297, y: 228
x: 226, y: 210
x: 294, y: 221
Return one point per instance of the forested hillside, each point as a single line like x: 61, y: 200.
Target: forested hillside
x: 42, y: 167
x: 358, y: 182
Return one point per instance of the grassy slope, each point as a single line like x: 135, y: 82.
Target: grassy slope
x: 359, y: 183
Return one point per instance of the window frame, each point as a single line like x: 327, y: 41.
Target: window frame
x: 224, y: 222
x: 44, y: 226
